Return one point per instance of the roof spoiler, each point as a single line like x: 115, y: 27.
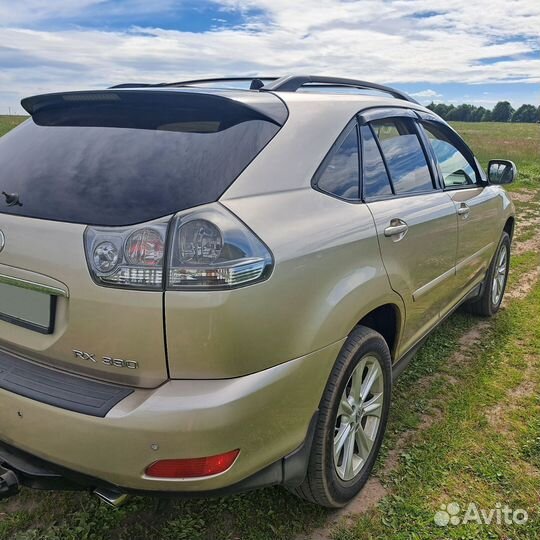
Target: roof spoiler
x: 265, y: 105
x: 33, y: 104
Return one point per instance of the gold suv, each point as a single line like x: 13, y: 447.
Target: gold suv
x: 209, y: 286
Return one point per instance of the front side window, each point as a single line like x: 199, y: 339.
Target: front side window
x: 455, y: 168
x: 404, y: 155
x: 339, y: 174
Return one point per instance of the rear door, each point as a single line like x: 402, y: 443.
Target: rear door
x: 416, y: 221
x: 478, y: 207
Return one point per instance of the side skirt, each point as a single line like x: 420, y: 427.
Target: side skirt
x: 403, y: 362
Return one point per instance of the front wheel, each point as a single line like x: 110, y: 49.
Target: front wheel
x: 352, y: 421
x: 495, y: 285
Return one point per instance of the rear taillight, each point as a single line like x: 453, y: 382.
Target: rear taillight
x: 127, y: 257
x: 208, y: 248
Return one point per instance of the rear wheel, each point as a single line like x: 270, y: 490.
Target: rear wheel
x: 352, y: 421
x: 495, y: 285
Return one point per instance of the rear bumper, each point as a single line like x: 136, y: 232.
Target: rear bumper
x: 36, y: 473
x: 267, y: 415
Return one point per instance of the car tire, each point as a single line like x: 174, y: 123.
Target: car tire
x: 494, y: 286
x: 332, y: 478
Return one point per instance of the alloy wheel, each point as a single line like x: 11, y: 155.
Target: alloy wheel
x: 499, y: 277
x: 358, y: 418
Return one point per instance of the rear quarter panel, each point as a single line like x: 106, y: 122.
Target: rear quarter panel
x: 328, y: 274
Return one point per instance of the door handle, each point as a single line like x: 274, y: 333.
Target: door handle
x: 463, y: 210
x: 396, y: 228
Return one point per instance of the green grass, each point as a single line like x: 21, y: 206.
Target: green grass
x: 9, y: 122
x: 460, y: 457
x: 518, y: 142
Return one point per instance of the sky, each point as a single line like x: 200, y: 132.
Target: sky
x: 474, y: 51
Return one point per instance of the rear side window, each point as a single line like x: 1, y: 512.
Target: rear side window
x: 455, y: 168
x: 339, y: 173
x: 127, y: 157
x: 404, y: 155
x: 375, y: 180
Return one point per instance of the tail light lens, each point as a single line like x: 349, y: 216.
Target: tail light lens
x: 145, y: 247
x: 209, y: 248
x: 212, y: 249
x: 127, y: 257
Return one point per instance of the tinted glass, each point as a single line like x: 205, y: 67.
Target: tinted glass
x: 404, y: 156
x: 455, y: 168
x: 340, y: 173
x: 374, y: 177
x: 130, y: 160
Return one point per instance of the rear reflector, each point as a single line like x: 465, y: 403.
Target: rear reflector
x: 192, y: 468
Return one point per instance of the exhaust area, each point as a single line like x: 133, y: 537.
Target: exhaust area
x: 111, y: 497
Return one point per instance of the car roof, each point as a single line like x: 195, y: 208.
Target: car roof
x: 357, y: 102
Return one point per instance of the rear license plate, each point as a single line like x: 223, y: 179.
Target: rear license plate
x: 24, y: 307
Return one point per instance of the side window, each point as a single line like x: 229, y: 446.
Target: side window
x: 456, y: 169
x: 404, y: 155
x: 339, y: 173
x: 375, y: 180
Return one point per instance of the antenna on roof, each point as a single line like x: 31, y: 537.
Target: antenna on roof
x: 256, y: 84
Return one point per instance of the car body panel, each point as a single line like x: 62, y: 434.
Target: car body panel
x: 324, y: 299
x: 479, y: 235
x: 421, y: 265
x: 97, y: 320
x: 477, y: 239
x: 265, y: 414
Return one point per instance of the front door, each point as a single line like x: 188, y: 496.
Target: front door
x: 477, y: 205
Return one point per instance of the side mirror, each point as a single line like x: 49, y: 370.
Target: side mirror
x: 502, y: 171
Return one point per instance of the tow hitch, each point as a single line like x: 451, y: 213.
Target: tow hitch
x: 9, y: 483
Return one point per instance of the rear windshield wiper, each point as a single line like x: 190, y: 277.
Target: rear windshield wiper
x: 12, y: 199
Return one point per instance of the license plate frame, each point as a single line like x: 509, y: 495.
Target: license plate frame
x: 27, y: 322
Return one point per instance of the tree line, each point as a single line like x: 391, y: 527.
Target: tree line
x: 502, y: 112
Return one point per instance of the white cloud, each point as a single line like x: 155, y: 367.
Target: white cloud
x: 464, y: 42
x: 427, y: 95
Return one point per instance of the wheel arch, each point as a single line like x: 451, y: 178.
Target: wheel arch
x: 387, y: 320
x: 509, y: 226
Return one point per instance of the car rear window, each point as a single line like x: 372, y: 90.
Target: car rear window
x: 121, y: 158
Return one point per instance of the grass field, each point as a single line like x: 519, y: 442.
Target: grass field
x: 9, y: 122
x: 464, y: 427
x: 518, y: 142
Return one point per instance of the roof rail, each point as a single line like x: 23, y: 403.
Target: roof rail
x: 131, y: 85
x: 289, y: 83
x: 256, y: 82
x: 292, y: 83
